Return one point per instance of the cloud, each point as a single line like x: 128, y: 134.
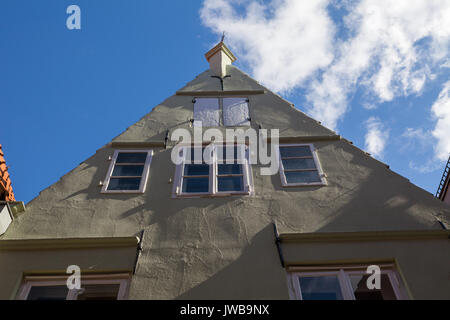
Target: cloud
x: 390, y: 48
x: 395, y: 46
x: 283, y: 42
x: 376, y: 137
x: 441, y: 131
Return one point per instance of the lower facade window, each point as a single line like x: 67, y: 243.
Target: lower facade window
x: 128, y: 171
x: 226, y: 171
x: 107, y: 287
x: 347, y: 283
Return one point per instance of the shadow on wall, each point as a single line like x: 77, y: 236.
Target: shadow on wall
x: 377, y: 200
x: 255, y: 274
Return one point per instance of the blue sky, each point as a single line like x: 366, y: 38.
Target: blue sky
x: 66, y: 93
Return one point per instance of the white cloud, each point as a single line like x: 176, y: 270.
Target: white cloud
x: 284, y: 42
x: 376, y: 137
x: 441, y: 112
x: 393, y: 48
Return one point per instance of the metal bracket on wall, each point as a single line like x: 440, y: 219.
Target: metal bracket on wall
x: 221, y: 79
x: 278, y: 244
x: 138, y: 251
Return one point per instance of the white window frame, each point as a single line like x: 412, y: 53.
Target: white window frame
x: 213, y: 175
x: 343, y: 273
x: 144, y: 176
x: 123, y: 280
x: 284, y: 182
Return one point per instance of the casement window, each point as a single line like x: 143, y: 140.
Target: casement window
x: 299, y: 165
x: 214, y: 112
x: 98, y: 287
x: 346, y: 283
x: 128, y: 171
x: 226, y: 172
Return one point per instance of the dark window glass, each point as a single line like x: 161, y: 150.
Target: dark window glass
x: 99, y: 292
x: 320, y: 288
x: 124, y: 183
x: 128, y: 157
x: 195, y: 185
x: 302, y: 176
x: 48, y: 293
x: 230, y: 169
x: 196, y: 170
x: 133, y: 171
x: 300, y: 151
x: 230, y: 184
x: 298, y: 164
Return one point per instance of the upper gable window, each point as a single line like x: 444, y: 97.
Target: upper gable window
x: 128, y: 171
x: 206, y: 112
x: 228, y: 172
x: 214, y: 112
x: 300, y: 166
x: 235, y: 112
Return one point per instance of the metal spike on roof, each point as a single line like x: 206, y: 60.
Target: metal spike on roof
x: 443, y: 180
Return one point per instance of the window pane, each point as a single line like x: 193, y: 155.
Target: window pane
x: 235, y: 112
x: 299, y: 151
x: 195, y: 155
x: 48, y: 293
x: 206, y: 110
x: 230, y: 184
x: 320, y: 288
x: 196, y: 170
x: 127, y: 157
x: 230, y: 153
x: 292, y: 164
x: 99, y: 292
x: 194, y: 185
x: 124, y: 183
x: 230, y: 169
x: 359, y: 285
x: 120, y: 170
x: 302, y: 177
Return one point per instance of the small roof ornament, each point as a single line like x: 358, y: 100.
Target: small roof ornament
x: 219, y: 58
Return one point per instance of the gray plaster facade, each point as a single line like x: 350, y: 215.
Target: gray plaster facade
x: 224, y: 248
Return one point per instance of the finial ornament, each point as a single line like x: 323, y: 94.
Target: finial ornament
x: 223, y: 36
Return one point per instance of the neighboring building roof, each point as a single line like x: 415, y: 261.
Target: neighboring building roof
x: 443, y: 185
x: 6, y: 191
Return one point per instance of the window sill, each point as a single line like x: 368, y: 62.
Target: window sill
x: 210, y: 195
x: 123, y: 192
x: 295, y: 185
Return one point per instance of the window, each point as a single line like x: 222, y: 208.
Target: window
x: 234, y: 112
x: 346, y: 283
x: 99, y: 287
x: 300, y: 166
x: 128, y: 171
x: 206, y: 112
x: 227, y: 172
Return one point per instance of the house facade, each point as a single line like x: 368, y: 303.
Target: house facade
x: 139, y: 226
